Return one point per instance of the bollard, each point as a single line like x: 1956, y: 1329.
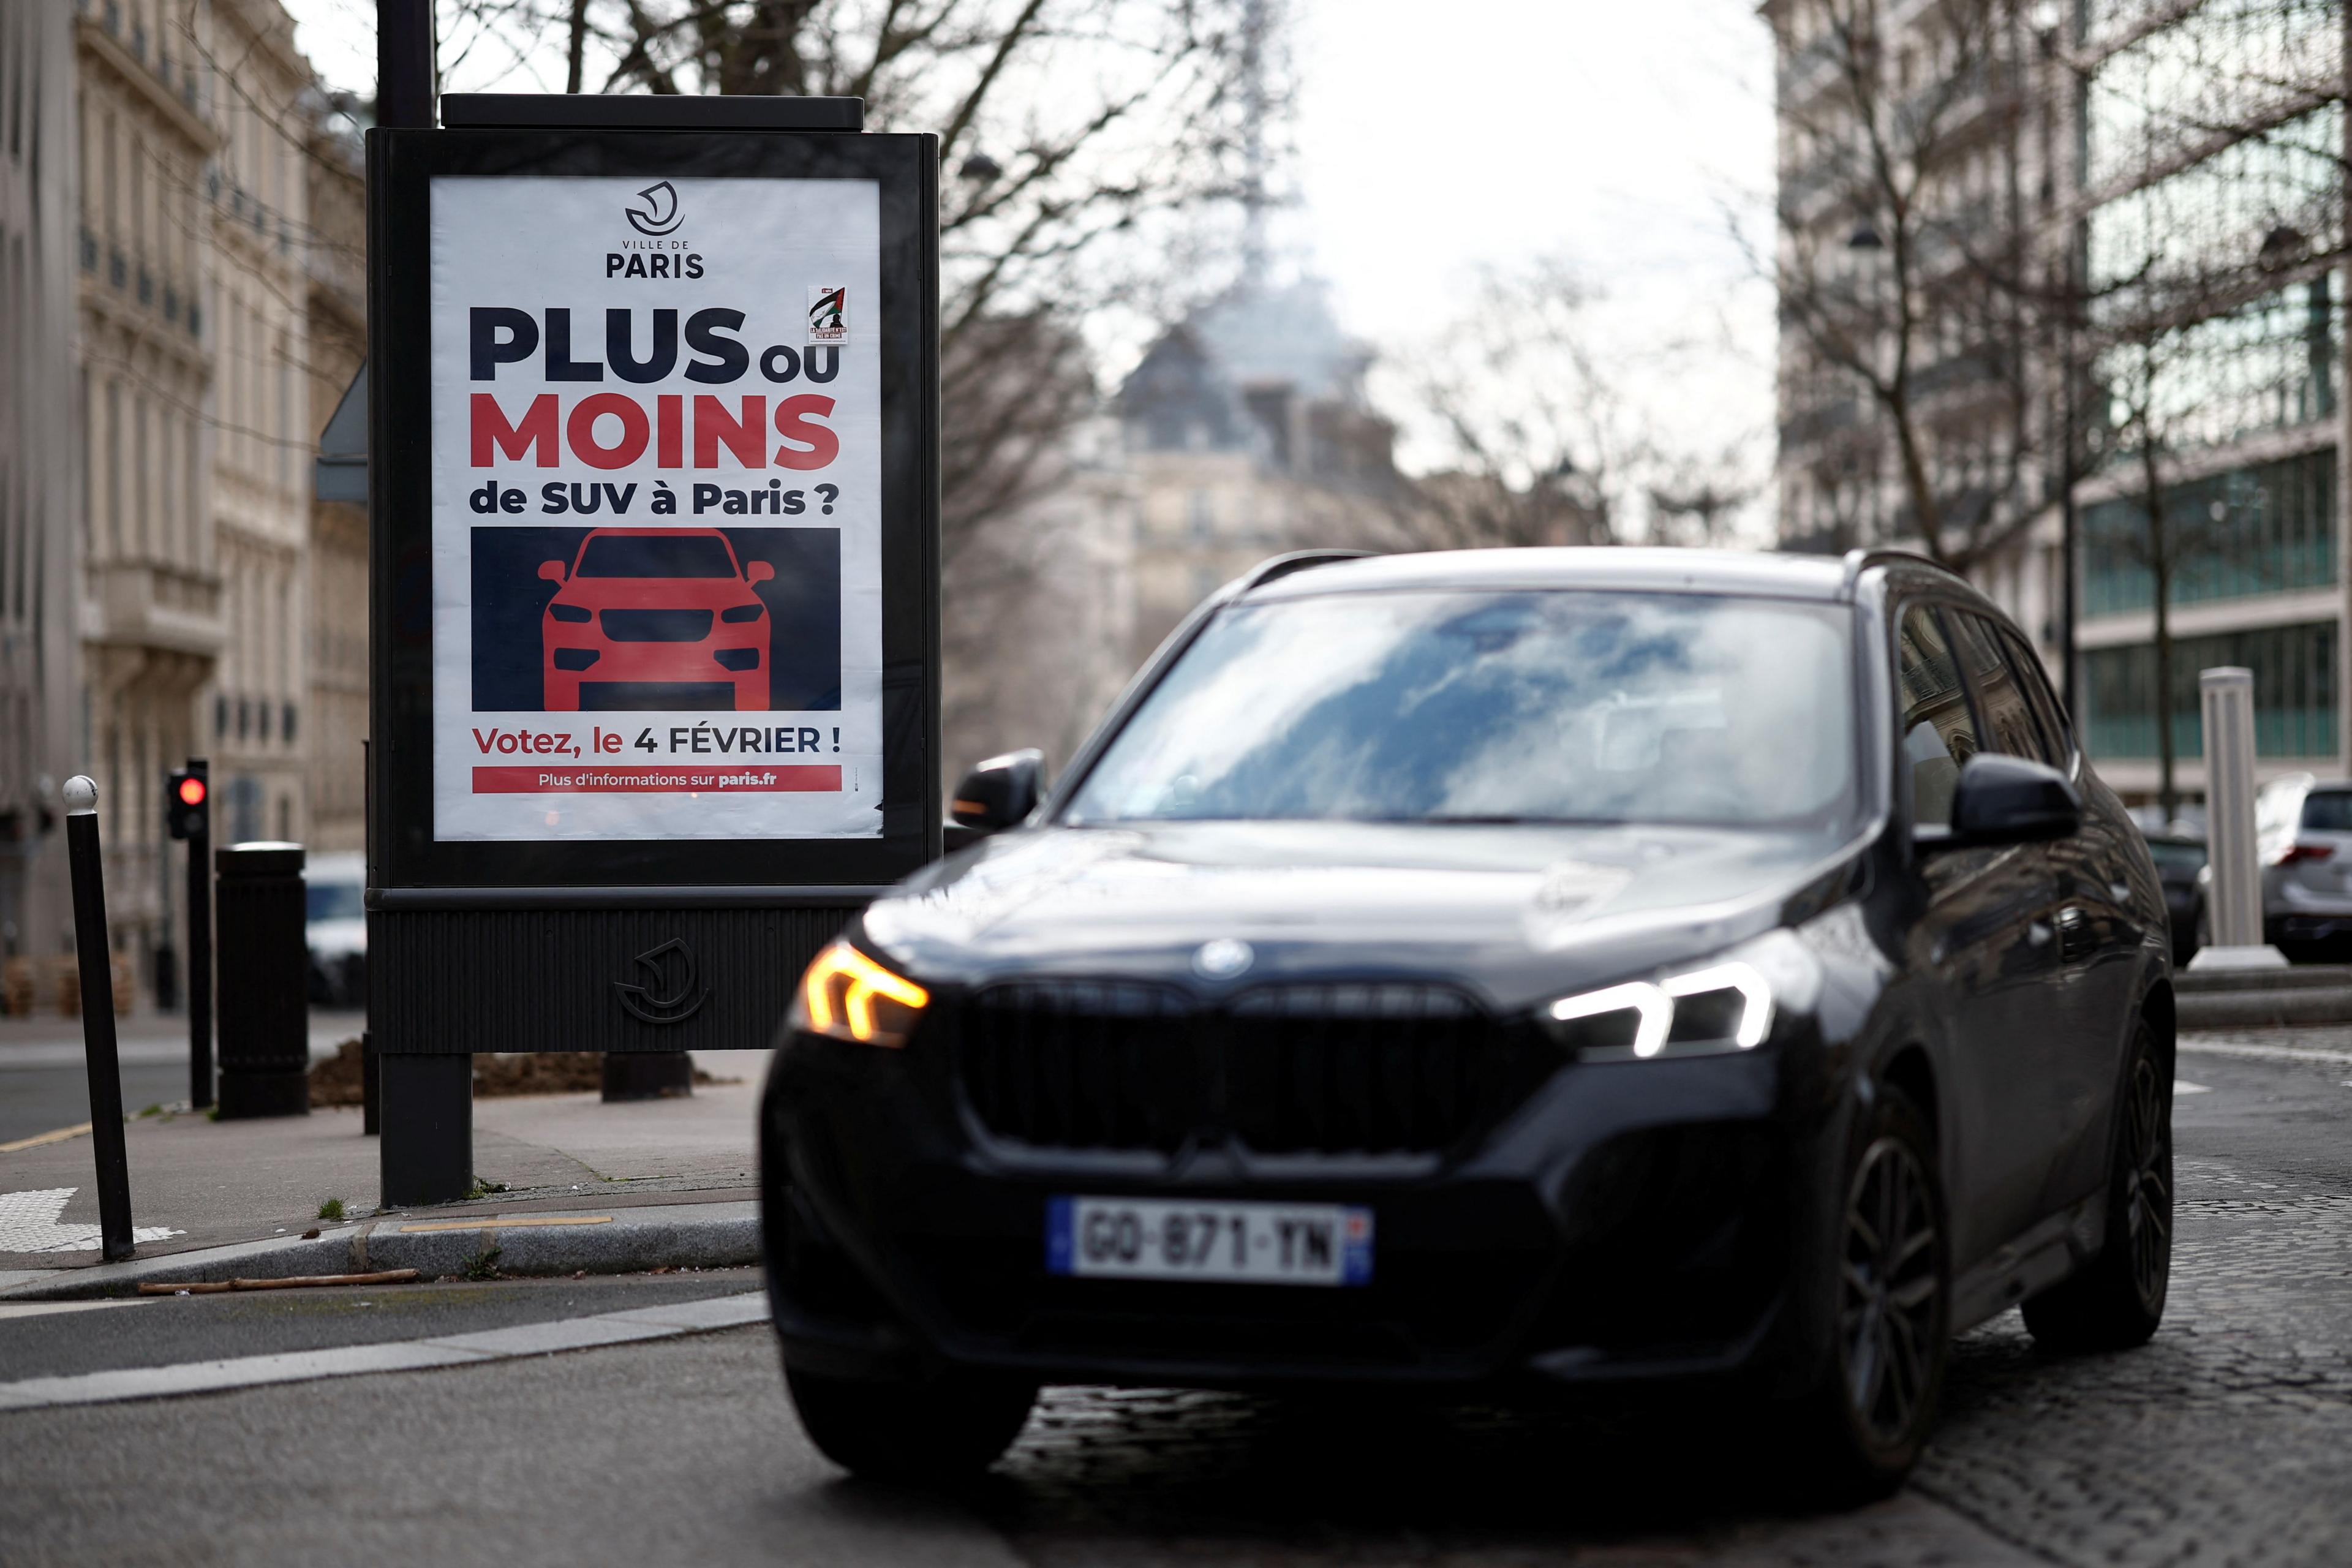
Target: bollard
x: 2235, y: 907
x: 98, y: 1018
x: 265, y: 981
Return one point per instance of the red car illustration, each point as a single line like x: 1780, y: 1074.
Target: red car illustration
x: 656, y: 618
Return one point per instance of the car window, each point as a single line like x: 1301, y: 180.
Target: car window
x: 1544, y: 706
x: 2179, y: 860
x: 334, y: 901
x: 2008, y: 721
x: 2328, y: 811
x: 1938, y: 732
x: 2048, y: 713
x: 656, y: 555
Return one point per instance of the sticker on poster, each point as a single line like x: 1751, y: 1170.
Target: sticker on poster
x: 828, y: 315
x: 657, y: 549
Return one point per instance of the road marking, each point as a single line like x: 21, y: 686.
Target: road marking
x: 640, y: 1324
x: 2265, y: 1053
x: 2182, y: 1086
x: 508, y: 1223
x: 56, y: 1136
x: 11, y: 1309
x: 28, y: 1222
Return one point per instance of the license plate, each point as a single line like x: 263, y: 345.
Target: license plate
x: 1257, y: 1244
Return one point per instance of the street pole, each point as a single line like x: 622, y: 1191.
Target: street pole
x: 426, y: 1101
x: 404, y: 63
x: 95, y: 961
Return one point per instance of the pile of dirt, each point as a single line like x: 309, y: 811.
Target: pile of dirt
x: 338, y: 1079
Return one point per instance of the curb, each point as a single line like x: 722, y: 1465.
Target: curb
x: 2287, y: 1007
x: 624, y: 1241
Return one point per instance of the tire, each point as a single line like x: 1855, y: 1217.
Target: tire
x: 953, y: 1426
x: 1865, y: 1422
x: 2116, y: 1301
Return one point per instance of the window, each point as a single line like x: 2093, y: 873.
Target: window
x: 2294, y: 692
x: 2008, y: 716
x: 2328, y: 811
x: 1939, y: 734
x: 2047, y: 712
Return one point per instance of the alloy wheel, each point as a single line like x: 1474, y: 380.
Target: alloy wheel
x: 1890, y: 1292
x: 2148, y: 1204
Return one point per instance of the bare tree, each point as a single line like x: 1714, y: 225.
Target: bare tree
x: 1075, y: 137
x: 1899, y: 222
x: 1545, y: 440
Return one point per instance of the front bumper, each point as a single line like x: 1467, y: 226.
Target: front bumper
x: 1628, y: 1220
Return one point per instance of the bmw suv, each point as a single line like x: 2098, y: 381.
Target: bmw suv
x: 1495, y: 972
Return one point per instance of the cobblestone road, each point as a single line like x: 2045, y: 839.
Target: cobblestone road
x: 2227, y: 1440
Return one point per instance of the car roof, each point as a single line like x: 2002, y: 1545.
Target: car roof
x: 1625, y: 568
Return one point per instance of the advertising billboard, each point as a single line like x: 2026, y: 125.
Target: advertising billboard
x: 653, y: 494
x: 656, y: 544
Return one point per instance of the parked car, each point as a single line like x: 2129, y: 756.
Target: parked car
x: 2179, y: 857
x: 2303, y: 834
x: 1489, y: 970
x: 655, y: 617
x: 334, y: 899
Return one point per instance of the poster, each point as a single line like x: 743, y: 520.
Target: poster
x: 655, y: 509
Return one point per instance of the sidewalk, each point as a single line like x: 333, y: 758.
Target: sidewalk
x: 212, y: 1183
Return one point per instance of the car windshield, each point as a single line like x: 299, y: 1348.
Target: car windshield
x: 655, y: 556
x: 334, y: 901
x: 2180, y: 859
x: 1571, y: 707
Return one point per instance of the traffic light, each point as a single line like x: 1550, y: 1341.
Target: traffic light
x: 187, y: 809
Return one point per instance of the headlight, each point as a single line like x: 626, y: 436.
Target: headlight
x: 1716, y: 1008
x: 849, y: 996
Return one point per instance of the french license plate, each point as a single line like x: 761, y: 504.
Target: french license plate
x: 1257, y: 1244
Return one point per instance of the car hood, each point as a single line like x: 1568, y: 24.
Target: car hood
x: 1517, y: 914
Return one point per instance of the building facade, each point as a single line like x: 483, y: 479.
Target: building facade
x: 151, y: 608
x: 336, y: 591
x: 258, y: 192
x: 39, y: 480
x: 1247, y: 432
x: 2123, y: 286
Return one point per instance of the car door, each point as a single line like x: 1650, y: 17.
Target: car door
x: 2079, y: 1040
x: 1988, y: 951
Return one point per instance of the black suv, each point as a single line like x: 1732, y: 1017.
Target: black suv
x: 1494, y: 970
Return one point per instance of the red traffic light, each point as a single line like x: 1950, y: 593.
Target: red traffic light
x: 192, y: 792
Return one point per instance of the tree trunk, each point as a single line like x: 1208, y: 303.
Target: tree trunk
x: 576, y: 64
x: 2159, y: 561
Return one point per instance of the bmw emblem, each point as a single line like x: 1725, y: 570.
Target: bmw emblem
x: 1223, y: 959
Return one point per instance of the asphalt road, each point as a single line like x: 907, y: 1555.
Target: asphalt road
x: 2227, y: 1440
x: 45, y: 1085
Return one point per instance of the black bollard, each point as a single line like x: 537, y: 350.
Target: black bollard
x: 265, y: 981
x: 98, y: 1018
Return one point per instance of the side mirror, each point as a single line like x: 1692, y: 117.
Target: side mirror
x: 2003, y: 799
x: 995, y: 795
x: 551, y: 571
x: 759, y: 570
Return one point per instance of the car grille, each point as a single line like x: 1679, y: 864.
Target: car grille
x: 657, y: 626
x: 1369, y: 1069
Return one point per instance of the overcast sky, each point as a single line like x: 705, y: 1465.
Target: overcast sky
x: 1434, y: 139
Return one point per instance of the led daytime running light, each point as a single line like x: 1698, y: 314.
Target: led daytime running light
x: 1653, y: 1005
x: 1656, y: 1009
x: 843, y: 972
x: 1755, y: 993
